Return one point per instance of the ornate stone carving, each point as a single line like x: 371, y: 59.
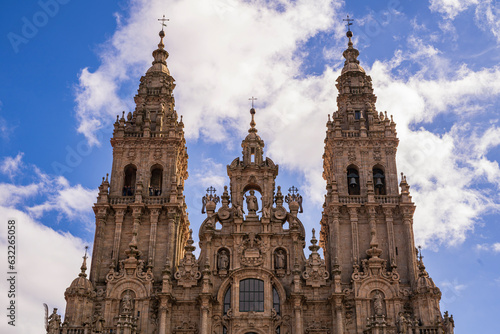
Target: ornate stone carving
x: 188, y: 272
x: 315, y: 273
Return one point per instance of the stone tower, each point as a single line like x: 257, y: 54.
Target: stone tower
x: 252, y: 276
x: 367, y: 224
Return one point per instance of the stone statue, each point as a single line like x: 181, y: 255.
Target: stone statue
x: 266, y: 211
x: 252, y: 204
x: 280, y: 259
x: 223, y: 261
x: 402, y: 329
x: 127, y: 304
x: 378, y: 303
x: 54, y: 322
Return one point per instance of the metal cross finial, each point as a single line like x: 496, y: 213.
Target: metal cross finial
x: 211, y: 190
x: 163, y: 20
x: 86, y: 247
x: 349, y: 23
x: 253, y: 99
x: 420, y: 253
x: 293, y: 190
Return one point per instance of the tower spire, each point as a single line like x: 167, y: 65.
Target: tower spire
x: 83, y: 268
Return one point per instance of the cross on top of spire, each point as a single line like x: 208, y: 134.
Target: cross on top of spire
x: 163, y: 20
x: 349, y: 23
x: 211, y: 190
x: 293, y: 190
x: 252, y: 99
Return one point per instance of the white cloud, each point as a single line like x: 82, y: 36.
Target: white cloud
x: 10, y: 166
x: 451, y: 8
x: 43, y: 259
x: 54, y: 193
x: 219, y: 67
x: 73, y: 202
x: 496, y: 247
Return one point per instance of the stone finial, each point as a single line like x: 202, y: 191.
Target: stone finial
x: 83, y: 268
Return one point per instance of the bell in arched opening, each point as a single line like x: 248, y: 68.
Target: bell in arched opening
x: 379, y: 181
x: 353, y: 181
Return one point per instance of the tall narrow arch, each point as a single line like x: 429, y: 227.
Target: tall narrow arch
x: 130, y: 172
x: 379, y: 180
x: 353, y: 180
x: 156, y: 180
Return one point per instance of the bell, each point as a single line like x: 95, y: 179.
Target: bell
x: 379, y: 183
x: 353, y: 182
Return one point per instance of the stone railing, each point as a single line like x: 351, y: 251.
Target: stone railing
x: 353, y: 199
x: 156, y: 200
x: 121, y: 200
x: 134, y: 134
x: 350, y: 133
x: 387, y: 199
x: 145, y: 199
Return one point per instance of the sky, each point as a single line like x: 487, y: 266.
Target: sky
x: 69, y: 67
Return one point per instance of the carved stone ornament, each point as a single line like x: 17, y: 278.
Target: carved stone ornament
x: 315, y: 273
x: 251, y: 250
x: 188, y: 272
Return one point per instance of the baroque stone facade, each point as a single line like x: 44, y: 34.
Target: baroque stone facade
x: 252, y: 275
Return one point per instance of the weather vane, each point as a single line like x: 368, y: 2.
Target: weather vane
x: 349, y: 23
x: 253, y: 99
x: 163, y: 20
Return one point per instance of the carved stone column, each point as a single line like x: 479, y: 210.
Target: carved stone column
x: 353, y: 214
x: 119, y: 216
x: 390, y: 236
x: 155, y: 212
x: 412, y: 256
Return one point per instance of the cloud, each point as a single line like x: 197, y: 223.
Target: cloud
x: 486, y: 14
x: 451, y: 8
x: 54, y: 193
x: 41, y: 253
x: 219, y: 67
x: 11, y: 166
x: 495, y: 247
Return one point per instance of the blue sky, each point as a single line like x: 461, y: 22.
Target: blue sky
x: 434, y: 66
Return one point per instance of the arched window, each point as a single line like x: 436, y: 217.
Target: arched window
x: 227, y: 301
x: 251, y: 295
x: 379, y: 181
x: 353, y: 180
x: 276, y: 301
x: 155, y: 181
x: 129, y: 180
x: 224, y: 330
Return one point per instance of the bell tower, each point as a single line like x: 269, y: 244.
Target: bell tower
x: 141, y: 221
x: 367, y: 223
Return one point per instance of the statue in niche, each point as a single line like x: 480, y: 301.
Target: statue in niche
x: 280, y: 259
x: 378, y: 303
x: 223, y: 260
x: 252, y: 204
x: 127, y: 303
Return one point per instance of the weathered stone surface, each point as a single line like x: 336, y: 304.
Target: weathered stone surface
x: 146, y: 279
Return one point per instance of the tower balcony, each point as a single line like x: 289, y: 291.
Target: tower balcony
x: 360, y: 199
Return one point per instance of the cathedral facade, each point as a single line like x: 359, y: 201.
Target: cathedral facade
x: 251, y: 275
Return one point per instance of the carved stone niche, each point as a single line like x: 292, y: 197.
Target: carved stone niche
x: 280, y: 261
x: 223, y: 261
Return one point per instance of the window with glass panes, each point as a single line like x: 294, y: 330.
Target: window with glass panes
x: 251, y: 295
